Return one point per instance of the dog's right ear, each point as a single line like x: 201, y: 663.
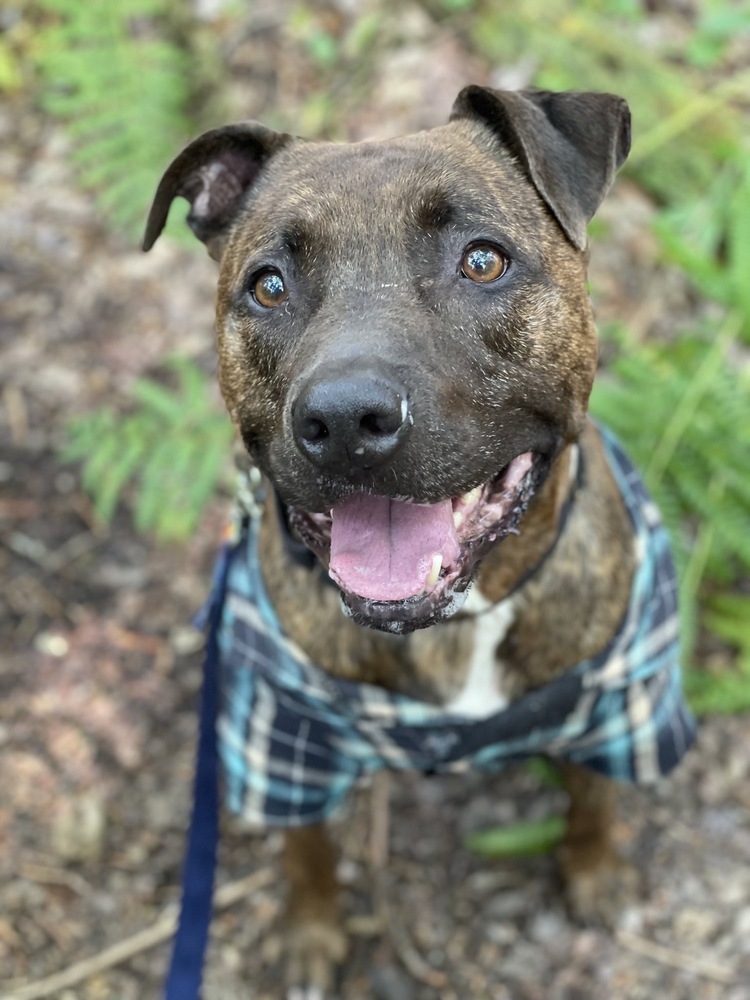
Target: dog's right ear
x: 570, y: 144
x: 214, y: 173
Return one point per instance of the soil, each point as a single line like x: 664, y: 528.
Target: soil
x: 101, y: 667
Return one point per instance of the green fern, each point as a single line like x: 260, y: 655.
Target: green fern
x: 726, y: 690
x: 173, y: 448
x: 710, y: 238
x: 684, y: 130
x: 123, y: 87
x: 683, y: 410
x: 728, y: 616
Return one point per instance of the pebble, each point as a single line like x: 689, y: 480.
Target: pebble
x: 742, y: 927
x: 507, y: 905
x: 184, y: 639
x: 694, y: 926
x: 549, y: 928
x: 502, y: 934
x: 390, y: 983
x: 78, y: 833
x: 52, y: 644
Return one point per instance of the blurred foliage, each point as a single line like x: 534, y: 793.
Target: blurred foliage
x: 174, y: 446
x: 709, y: 238
x: 603, y: 45
x: 134, y: 79
x: 726, y: 689
x: 343, y: 56
x: 126, y: 79
x: 684, y: 410
x: 519, y: 840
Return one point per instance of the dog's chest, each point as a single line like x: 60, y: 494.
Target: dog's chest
x: 481, y: 694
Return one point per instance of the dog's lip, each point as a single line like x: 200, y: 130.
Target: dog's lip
x: 400, y: 617
x: 483, y: 515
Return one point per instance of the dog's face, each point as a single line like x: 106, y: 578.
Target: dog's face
x: 405, y: 337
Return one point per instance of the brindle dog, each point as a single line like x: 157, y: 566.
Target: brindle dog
x: 406, y: 323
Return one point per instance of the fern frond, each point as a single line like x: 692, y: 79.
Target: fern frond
x: 160, y: 401
x: 690, y: 438
x: 683, y: 412
x: 124, y: 87
x: 153, y: 488
x: 122, y: 469
x: 172, y: 450
x: 728, y: 616
x: 588, y: 46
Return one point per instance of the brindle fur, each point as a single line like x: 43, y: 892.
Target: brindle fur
x: 358, y: 227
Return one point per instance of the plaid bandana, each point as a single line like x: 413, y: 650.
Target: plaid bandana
x: 293, y: 740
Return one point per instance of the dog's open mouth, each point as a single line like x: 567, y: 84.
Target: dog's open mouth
x: 402, y: 566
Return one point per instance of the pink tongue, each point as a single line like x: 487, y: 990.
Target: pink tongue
x: 383, y: 549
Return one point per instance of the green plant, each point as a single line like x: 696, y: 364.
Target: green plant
x: 719, y: 25
x: 115, y: 72
x: 172, y: 449
x: 727, y: 689
x: 340, y: 57
x: 683, y: 410
x: 710, y: 239
x: 599, y: 45
x: 524, y: 839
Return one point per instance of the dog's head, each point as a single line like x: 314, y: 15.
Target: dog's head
x: 405, y: 336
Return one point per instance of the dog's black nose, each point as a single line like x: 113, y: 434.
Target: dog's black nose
x: 350, y: 420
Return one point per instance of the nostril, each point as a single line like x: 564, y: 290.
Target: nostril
x: 378, y: 424
x: 313, y: 430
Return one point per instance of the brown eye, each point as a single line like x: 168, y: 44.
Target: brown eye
x: 269, y: 290
x: 483, y: 263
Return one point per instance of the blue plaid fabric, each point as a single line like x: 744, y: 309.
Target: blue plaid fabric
x: 293, y: 740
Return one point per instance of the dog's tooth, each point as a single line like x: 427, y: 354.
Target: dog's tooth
x: 437, y: 565
x: 471, y: 496
x: 458, y: 518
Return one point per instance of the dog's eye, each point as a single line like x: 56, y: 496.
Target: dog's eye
x: 483, y: 262
x: 269, y: 289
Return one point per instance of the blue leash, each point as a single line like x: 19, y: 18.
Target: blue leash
x: 186, y: 966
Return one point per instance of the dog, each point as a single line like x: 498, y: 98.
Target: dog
x: 447, y: 564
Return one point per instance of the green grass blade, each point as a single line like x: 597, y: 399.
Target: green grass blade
x: 519, y: 840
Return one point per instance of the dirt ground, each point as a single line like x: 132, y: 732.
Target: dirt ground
x: 100, y: 668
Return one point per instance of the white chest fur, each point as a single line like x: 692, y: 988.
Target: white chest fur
x: 481, y: 694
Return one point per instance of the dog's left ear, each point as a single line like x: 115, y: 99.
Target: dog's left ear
x: 571, y: 144
x: 214, y: 173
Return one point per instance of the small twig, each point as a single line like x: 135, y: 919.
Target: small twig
x: 380, y: 820
x: 75, y: 547
x: 400, y: 937
x: 46, y: 874
x: 676, y: 959
x: 87, y: 513
x: 138, y: 642
x: 27, y: 548
x: 410, y: 958
x: 157, y: 933
x: 17, y: 414
x: 366, y: 925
